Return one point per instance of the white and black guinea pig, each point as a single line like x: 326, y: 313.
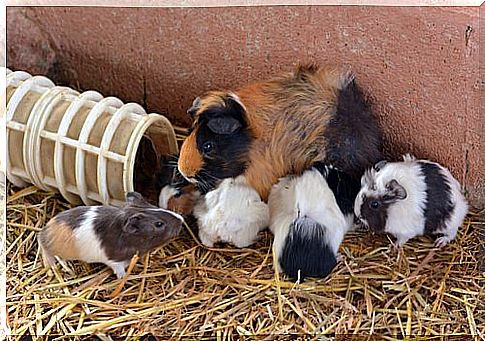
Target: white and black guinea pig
x: 411, y: 198
x: 106, y: 234
x: 310, y: 215
x: 232, y: 213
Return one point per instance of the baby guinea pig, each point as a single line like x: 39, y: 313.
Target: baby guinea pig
x: 106, y: 234
x: 179, y: 196
x: 232, y: 213
x: 310, y: 215
x: 411, y: 198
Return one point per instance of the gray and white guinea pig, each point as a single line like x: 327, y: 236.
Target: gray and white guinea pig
x: 232, y: 213
x: 411, y: 198
x: 106, y: 234
x: 310, y: 215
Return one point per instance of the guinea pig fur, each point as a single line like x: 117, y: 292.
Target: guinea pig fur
x: 309, y: 216
x: 232, y: 213
x: 273, y: 128
x: 411, y: 198
x: 181, y: 200
x: 176, y: 193
x: 106, y: 234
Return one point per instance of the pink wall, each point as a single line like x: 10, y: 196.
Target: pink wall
x: 419, y: 64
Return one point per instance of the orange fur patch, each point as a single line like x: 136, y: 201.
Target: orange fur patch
x: 185, y: 203
x: 302, y: 106
x: 190, y: 160
x: 57, y: 239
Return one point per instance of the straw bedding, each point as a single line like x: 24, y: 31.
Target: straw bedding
x: 186, y: 290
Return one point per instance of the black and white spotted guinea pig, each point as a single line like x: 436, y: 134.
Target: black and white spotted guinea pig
x: 106, y: 234
x: 309, y: 216
x: 411, y: 198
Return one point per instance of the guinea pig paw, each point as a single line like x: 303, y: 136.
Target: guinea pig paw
x: 339, y: 257
x: 205, y: 240
x: 119, y: 269
x: 441, y: 242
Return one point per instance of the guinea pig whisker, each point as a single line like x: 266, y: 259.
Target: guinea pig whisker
x: 210, y: 176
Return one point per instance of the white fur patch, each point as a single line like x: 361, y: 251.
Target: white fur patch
x: 232, y: 213
x: 87, y: 242
x: 176, y: 215
x: 165, y: 194
x: 306, y: 196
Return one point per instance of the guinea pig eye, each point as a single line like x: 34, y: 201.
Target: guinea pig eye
x: 177, y: 194
x: 207, y: 147
x: 374, y: 204
x: 159, y: 224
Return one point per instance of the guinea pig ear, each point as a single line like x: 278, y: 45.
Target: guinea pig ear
x: 230, y: 118
x: 378, y: 166
x: 195, y: 106
x: 136, y: 199
x: 224, y: 125
x: 394, y: 192
x: 132, y: 224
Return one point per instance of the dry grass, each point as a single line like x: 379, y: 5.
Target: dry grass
x: 187, y: 290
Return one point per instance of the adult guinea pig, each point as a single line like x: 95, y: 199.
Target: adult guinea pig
x: 310, y: 215
x: 106, y: 234
x: 411, y: 198
x: 270, y: 129
x: 232, y: 213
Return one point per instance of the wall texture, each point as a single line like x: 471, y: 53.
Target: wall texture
x: 419, y: 65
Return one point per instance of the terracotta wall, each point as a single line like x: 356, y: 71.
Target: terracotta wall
x: 420, y: 65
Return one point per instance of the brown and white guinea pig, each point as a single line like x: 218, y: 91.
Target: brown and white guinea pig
x: 310, y: 215
x: 179, y: 198
x: 270, y: 129
x: 176, y: 193
x: 232, y: 213
x: 411, y: 198
x: 106, y: 234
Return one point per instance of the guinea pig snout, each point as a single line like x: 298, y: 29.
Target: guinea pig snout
x: 172, y: 223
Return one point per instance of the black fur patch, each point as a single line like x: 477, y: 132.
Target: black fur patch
x: 229, y: 154
x: 74, y: 216
x: 120, y: 245
x: 167, y: 172
x: 306, y: 252
x: 353, y: 135
x: 375, y: 217
x: 439, y: 206
x: 343, y: 186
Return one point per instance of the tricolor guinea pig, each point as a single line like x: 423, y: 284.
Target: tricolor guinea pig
x: 270, y: 129
x: 106, y: 234
x: 176, y: 193
x: 232, y: 213
x: 310, y: 215
x: 411, y: 198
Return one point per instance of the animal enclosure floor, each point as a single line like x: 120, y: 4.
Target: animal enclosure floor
x: 186, y: 290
